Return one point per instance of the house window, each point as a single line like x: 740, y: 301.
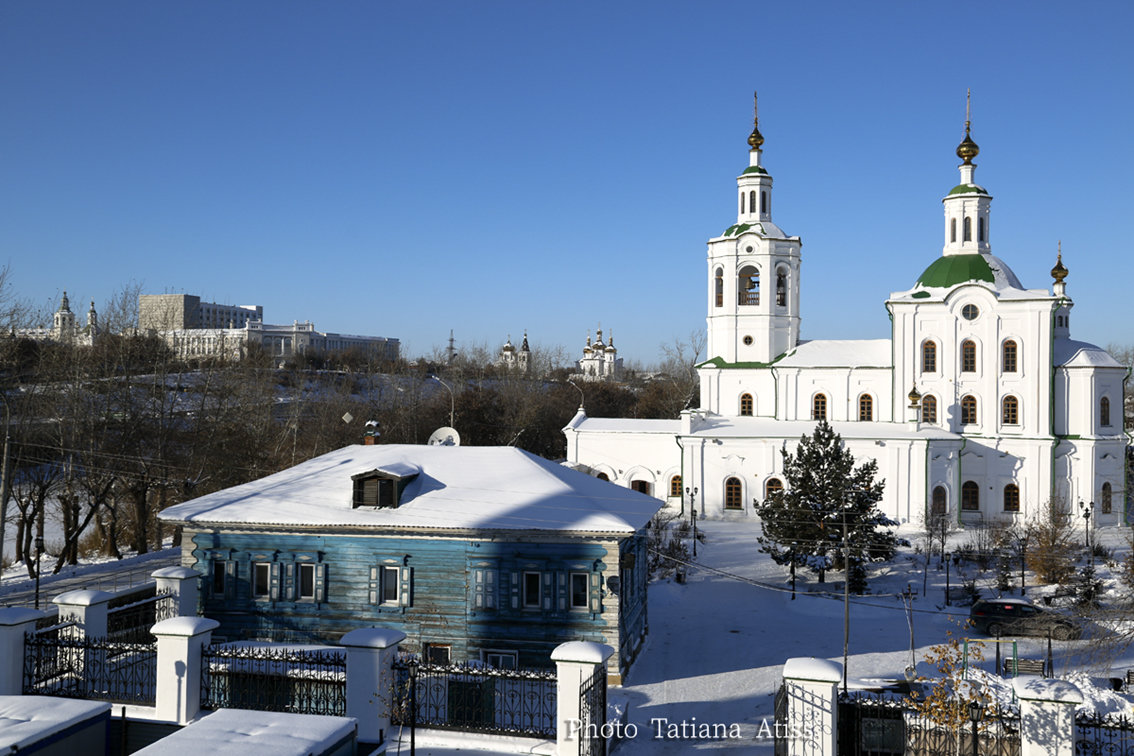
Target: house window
x: 968, y: 410
x: 1104, y: 411
x: 1010, y: 411
x: 940, y: 501
x: 260, y: 579
x: 970, y: 496
x: 865, y: 408
x: 305, y: 588
x: 929, y: 409
x: 781, y: 289
x: 675, y: 486
x: 718, y: 287
x: 501, y: 659
x: 220, y: 577
x: 1105, y: 498
x: 819, y: 407
x: 773, y: 487
x: 438, y: 653
x: 732, y: 495
x: 1010, y: 356
x: 748, y: 289
x: 580, y: 590
x: 746, y: 405
x: 531, y: 590
x: 929, y: 357
x: 1011, y: 498
x: 390, y: 585
x: 375, y: 492
x: 968, y: 357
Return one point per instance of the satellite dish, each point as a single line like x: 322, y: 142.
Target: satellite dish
x: 444, y: 436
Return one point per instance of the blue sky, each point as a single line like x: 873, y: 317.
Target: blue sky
x: 403, y: 169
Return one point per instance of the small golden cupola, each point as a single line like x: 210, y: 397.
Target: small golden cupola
x: 755, y: 139
x: 1059, y: 272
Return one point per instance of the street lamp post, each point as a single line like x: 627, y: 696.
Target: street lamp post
x: 1086, y: 509
x: 976, y: 711
x: 38, y: 553
x: 692, y: 493
x: 452, y: 400
x: 582, y: 397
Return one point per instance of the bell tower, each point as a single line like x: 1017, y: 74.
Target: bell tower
x: 967, y: 205
x: 753, y: 270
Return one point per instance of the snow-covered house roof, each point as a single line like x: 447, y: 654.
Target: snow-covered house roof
x: 445, y: 488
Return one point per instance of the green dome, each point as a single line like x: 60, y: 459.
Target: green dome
x: 968, y: 189
x: 950, y: 270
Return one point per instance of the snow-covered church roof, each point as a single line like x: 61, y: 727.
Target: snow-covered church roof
x: 453, y: 488
x: 1071, y: 353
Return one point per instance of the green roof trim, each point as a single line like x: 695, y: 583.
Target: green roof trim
x: 718, y: 362
x: 754, y: 169
x: 968, y: 189
x: 921, y: 294
x: 950, y: 270
x: 737, y: 230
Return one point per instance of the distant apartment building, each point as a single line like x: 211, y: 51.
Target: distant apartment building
x: 195, y: 330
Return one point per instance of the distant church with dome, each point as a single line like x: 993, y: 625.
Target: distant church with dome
x: 980, y: 406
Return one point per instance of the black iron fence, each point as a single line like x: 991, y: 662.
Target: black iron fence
x: 879, y: 725
x: 90, y: 668
x: 298, y: 681
x: 1104, y: 735
x: 592, y: 714
x: 130, y: 617
x: 474, y: 698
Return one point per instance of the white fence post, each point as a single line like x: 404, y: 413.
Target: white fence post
x: 183, y: 583
x: 810, y: 725
x: 87, y: 609
x: 1047, y: 715
x: 14, y: 623
x: 370, y: 679
x: 179, y: 644
x: 575, y: 662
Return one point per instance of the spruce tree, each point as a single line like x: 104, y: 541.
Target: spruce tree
x: 803, y: 523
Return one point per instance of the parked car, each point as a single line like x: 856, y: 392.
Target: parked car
x: 1009, y: 616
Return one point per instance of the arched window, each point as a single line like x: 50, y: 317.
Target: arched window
x: 940, y: 503
x: 733, y: 494
x: 748, y: 290
x: 819, y: 407
x: 641, y: 486
x: 980, y: 229
x: 968, y: 229
x: 1010, y: 410
x: 781, y: 288
x: 1009, y: 357
x: 603, y: 476
x: 865, y: 408
x: 752, y: 201
x: 1104, y: 410
x: 718, y: 287
x: 1011, y: 498
x: 742, y: 203
x: 929, y: 357
x: 1105, y: 499
x: 968, y: 410
x: 952, y: 229
x: 929, y: 409
x: 970, y: 496
x: 746, y: 405
x: 764, y: 202
x: 675, y: 486
x: 772, y: 487
x: 968, y: 356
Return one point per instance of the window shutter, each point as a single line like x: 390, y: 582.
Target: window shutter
x: 320, y: 583
x: 373, y: 587
x: 515, y: 590
x: 596, y: 592
x: 562, y: 594
x: 406, y: 590
x: 490, y: 589
x: 548, y: 591
x: 274, y: 581
x: 230, y: 578
x: 289, y: 590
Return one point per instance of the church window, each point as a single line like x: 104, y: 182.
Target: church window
x: 781, y: 289
x: 968, y: 228
x: 1104, y: 410
x: 952, y: 229
x: 675, y: 486
x: 747, y: 340
x: 764, y: 202
x: 733, y: 495
x: 752, y: 201
x: 939, y: 501
x: 968, y: 410
x: 970, y: 312
x: 968, y: 357
x: 773, y: 487
x: 1105, y: 499
x: 970, y: 496
x: 748, y: 292
x: 641, y: 486
x: 603, y: 476
x: 865, y: 408
x: 746, y: 405
x: 1059, y: 320
x: 929, y: 409
x: 742, y: 203
x: 929, y: 357
x: 1010, y: 356
x: 1010, y: 411
x: 819, y: 407
x: 718, y: 287
x: 1011, y: 498
x: 980, y: 229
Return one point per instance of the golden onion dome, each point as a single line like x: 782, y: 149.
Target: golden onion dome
x: 967, y: 149
x: 915, y: 397
x: 1059, y: 272
x: 755, y: 139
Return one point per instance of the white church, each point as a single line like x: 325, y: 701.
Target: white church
x: 980, y: 405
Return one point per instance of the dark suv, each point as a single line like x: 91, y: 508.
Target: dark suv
x: 1008, y: 616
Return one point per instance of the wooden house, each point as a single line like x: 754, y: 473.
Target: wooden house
x: 476, y: 553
